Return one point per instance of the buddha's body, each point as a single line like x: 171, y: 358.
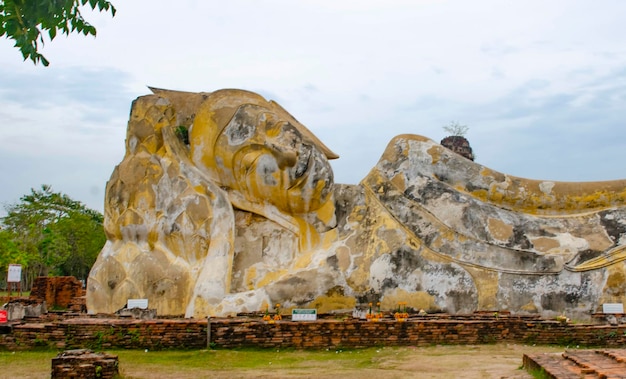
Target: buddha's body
x: 248, y: 215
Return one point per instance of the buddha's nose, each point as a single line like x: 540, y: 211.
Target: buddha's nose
x: 286, y: 158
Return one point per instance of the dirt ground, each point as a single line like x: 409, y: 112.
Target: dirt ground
x: 455, y: 362
x: 458, y: 362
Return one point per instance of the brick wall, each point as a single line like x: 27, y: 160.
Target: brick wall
x: 101, y: 334
x: 358, y: 334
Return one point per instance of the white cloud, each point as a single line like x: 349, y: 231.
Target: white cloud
x: 541, y: 84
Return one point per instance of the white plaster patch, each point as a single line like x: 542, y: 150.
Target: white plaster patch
x: 380, y: 270
x: 546, y: 187
x: 132, y: 144
x: 448, y: 211
x: 570, y: 243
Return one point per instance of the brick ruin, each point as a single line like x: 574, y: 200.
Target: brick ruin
x: 59, y: 292
x: 86, y: 364
x: 459, y: 145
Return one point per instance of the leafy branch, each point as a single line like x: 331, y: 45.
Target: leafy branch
x: 25, y: 21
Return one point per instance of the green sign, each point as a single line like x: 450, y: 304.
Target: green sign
x: 304, y: 314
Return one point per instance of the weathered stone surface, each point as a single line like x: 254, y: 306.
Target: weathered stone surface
x: 248, y: 215
x: 18, y: 309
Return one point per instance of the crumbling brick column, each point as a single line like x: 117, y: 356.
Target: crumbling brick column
x: 57, y: 291
x: 84, y: 363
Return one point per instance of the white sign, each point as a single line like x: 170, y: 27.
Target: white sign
x: 613, y: 308
x: 15, y: 274
x: 304, y: 315
x: 137, y: 303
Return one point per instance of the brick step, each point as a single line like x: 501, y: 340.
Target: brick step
x: 617, y: 354
x: 576, y: 364
x: 598, y: 362
x: 554, y: 366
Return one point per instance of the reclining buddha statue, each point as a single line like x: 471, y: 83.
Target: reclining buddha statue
x: 225, y: 203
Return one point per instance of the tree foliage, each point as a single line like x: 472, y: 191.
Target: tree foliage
x: 49, y: 233
x: 25, y: 21
x: 456, y: 129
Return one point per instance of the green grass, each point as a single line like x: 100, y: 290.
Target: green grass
x: 27, y: 364
x: 472, y: 361
x: 539, y: 374
x: 5, y: 294
x: 251, y: 358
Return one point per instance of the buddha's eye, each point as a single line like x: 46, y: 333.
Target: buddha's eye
x: 240, y: 128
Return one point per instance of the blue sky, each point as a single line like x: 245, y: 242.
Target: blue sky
x: 541, y: 85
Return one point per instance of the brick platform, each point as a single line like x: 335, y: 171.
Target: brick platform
x: 576, y: 364
x: 82, y: 331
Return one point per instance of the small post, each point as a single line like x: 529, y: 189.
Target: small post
x: 208, y: 332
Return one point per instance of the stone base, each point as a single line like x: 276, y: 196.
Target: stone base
x: 84, y: 363
x: 138, y: 313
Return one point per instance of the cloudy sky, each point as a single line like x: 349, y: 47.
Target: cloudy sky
x: 541, y: 84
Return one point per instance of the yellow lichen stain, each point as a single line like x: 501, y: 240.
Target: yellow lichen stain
x: 496, y: 195
x: 485, y: 171
x: 399, y: 182
x: 334, y: 301
x: 430, y: 255
x: 416, y: 300
x: 529, y: 307
x: 545, y: 244
x: 271, y: 277
x: 486, y: 283
x: 525, y: 195
x: 303, y: 259
x: 202, y: 308
x: 499, y: 229
x: 250, y: 277
x: 480, y: 194
x: 326, y: 212
x: 435, y: 153
x: 615, y: 287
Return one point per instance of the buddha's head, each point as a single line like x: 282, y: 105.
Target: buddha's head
x: 255, y: 148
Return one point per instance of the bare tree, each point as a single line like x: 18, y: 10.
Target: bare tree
x: 456, y: 129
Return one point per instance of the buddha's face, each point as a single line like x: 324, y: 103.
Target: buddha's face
x: 266, y: 157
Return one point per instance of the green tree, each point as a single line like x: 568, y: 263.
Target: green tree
x: 25, y: 21
x: 53, y: 234
x: 9, y: 254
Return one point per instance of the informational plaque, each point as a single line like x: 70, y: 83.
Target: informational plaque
x: 304, y: 315
x: 613, y: 308
x: 15, y: 273
x: 137, y: 303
